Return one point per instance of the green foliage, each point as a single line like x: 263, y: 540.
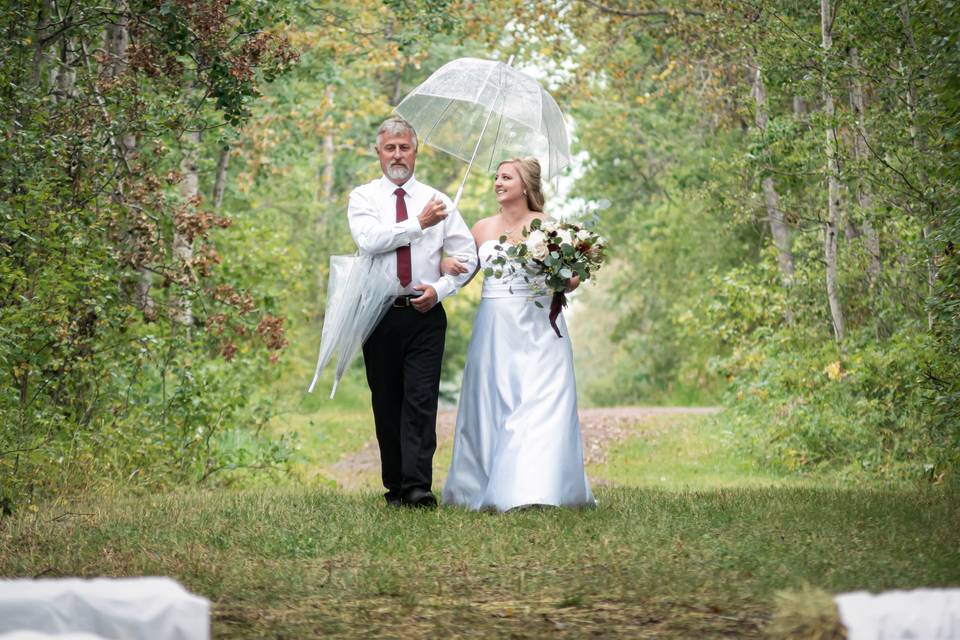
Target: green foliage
x: 124, y: 358
x: 104, y: 378
x: 939, y: 26
x: 695, y: 154
x: 805, y: 409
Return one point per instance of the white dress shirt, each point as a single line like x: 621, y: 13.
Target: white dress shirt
x: 372, y: 214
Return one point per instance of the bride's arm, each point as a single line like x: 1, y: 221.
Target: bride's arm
x: 452, y: 267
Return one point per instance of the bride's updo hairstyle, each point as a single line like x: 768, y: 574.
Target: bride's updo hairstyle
x: 529, y: 170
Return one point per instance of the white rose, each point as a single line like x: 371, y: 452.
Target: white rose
x: 583, y: 234
x: 537, y: 244
x: 564, y: 236
x: 535, y: 237
x: 550, y: 225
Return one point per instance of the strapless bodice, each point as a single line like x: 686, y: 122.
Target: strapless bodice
x: 510, y: 284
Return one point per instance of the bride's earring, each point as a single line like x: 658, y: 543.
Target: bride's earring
x: 524, y: 192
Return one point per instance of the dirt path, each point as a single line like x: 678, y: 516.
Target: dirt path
x: 600, y: 429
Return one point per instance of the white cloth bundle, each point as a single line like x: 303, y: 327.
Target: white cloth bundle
x: 930, y: 614
x: 140, y: 608
x: 38, y: 635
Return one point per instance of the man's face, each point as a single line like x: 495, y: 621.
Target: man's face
x: 397, y: 156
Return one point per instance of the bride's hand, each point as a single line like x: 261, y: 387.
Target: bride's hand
x: 452, y: 267
x: 573, y: 283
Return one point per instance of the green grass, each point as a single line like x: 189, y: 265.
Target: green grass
x: 299, y: 563
x: 682, y: 452
x: 692, y: 556
x: 327, y: 428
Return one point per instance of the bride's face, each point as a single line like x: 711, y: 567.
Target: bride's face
x: 507, y: 184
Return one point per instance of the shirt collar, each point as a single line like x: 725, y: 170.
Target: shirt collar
x: 389, y: 186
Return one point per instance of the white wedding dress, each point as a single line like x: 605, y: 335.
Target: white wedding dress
x: 517, y: 440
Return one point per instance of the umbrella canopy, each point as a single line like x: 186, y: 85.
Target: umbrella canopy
x: 483, y: 112
x: 358, y: 296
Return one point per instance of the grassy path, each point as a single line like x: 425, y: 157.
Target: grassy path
x: 688, y: 541
x: 600, y: 428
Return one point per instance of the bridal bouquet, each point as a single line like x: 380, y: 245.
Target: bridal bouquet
x: 551, y: 253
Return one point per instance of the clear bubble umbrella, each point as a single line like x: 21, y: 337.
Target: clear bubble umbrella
x: 484, y: 112
x: 358, y: 296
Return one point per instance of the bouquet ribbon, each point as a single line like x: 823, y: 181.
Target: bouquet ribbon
x: 556, y: 304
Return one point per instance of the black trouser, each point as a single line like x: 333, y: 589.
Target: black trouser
x: 403, y: 357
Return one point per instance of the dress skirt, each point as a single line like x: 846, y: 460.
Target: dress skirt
x: 517, y: 439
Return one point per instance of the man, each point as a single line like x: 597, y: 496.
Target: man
x: 408, y: 225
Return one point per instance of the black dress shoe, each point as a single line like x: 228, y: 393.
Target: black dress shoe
x: 420, y: 499
x: 393, y: 500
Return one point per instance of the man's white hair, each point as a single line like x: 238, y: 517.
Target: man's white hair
x: 396, y: 125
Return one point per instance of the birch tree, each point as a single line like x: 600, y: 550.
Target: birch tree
x: 832, y: 223
x: 860, y: 154
x: 916, y: 138
x: 183, y: 230
x: 778, y: 226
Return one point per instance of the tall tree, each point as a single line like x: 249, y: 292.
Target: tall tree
x: 832, y: 223
x: 861, y: 157
x: 917, y: 138
x: 778, y: 226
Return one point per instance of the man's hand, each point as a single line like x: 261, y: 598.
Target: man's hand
x: 435, y: 211
x: 427, y: 300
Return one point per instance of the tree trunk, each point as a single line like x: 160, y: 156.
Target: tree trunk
x: 833, y: 183
x: 799, y: 105
x: 40, y: 48
x: 778, y: 226
x: 117, y: 44
x: 325, y: 208
x: 918, y: 142
x: 182, y: 236
x: 871, y: 240
x: 65, y: 72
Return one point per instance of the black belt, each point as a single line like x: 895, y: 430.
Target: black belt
x: 404, y: 301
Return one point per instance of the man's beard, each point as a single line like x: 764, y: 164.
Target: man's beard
x: 398, y: 172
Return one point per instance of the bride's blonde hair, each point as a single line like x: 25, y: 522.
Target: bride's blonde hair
x: 529, y: 170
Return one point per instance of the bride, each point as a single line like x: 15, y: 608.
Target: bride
x: 517, y: 440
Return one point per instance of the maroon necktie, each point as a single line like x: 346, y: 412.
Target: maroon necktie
x: 403, y: 253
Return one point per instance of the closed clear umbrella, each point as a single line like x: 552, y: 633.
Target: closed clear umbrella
x: 358, y: 296
x: 483, y: 112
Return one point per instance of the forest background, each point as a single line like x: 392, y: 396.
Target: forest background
x: 783, y: 221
